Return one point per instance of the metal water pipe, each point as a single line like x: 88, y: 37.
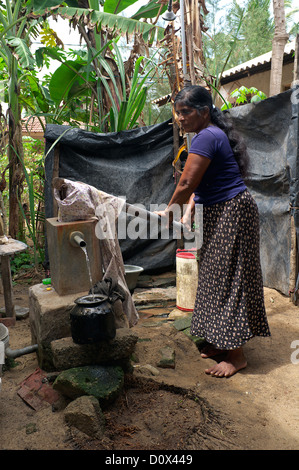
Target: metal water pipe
x: 170, y: 16
x: 77, y: 239
x: 183, y: 39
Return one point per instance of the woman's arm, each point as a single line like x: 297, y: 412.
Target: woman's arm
x: 188, y: 215
x: 195, y: 168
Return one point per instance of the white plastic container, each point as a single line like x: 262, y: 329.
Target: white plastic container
x: 186, y: 279
x: 4, y: 340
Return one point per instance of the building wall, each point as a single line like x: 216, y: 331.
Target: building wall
x: 261, y: 81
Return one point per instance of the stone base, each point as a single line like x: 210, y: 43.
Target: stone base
x: 66, y: 354
x: 49, y: 315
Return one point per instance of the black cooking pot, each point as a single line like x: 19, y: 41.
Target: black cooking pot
x: 92, y: 319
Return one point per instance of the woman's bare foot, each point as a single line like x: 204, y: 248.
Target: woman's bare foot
x: 233, y: 362
x: 210, y: 351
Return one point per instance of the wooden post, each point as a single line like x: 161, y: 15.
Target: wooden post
x: 296, y: 60
x: 294, y: 244
x: 55, y: 174
x: 10, y: 313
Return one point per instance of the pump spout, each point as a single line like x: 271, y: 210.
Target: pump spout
x: 77, y: 239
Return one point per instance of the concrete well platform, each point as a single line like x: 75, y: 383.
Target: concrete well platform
x: 49, y: 315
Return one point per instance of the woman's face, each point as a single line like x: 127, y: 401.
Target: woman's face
x: 190, y: 119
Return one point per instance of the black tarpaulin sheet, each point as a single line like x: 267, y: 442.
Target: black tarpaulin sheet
x: 270, y: 129
x: 134, y: 164
x: 137, y: 164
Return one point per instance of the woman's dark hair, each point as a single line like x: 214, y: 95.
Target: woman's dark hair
x: 198, y: 97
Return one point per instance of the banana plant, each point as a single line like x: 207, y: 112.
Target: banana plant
x: 108, y: 18
x: 79, y: 78
x: 124, y: 114
x: 14, y: 50
x: 18, y: 21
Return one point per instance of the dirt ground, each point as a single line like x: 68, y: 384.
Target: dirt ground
x: 181, y: 408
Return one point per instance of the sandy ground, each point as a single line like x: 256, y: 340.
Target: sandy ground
x: 181, y: 408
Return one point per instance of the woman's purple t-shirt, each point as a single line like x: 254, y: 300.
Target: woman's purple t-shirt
x: 222, y: 180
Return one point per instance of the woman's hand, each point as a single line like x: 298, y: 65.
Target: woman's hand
x: 166, y: 215
x: 188, y: 217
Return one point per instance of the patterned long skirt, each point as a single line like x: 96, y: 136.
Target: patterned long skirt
x: 229, y: 307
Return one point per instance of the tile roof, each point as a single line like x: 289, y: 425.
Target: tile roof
x: 260, y: 60
x: 32, y: 125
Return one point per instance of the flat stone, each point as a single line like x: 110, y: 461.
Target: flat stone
x: 167, y: 360
x: 182, y: 323
x: 155, y: 311
x: 103, y: 382
x: 161, y: 280
x: 21, y: 312
x: 196, y: 339
x: 146, y: 369
x: 67, y: 354
x: 176, y: 313
x: 148, y: 323
x: 85, y: 414
x: 153, y: 296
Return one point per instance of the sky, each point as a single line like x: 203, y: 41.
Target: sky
x: 62, y: 27
x: 70, y: 38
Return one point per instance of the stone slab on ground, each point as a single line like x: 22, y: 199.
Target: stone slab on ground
x: 67, y: 354
x: 103, y: 382
x: 167, y: 360
x: 85, y: 414
x: 21, y: 312
x: 154, y: 296
x: 161, y: 280
x: 182, y: 323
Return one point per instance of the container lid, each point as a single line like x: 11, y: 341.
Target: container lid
x: 91, y: 300
x: 191, y: 254
x: 3, y: 332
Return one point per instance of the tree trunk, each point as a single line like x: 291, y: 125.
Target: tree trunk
x: 15, y: 154
x: 279, y: 41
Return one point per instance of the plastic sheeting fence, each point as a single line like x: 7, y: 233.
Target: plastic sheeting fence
x: 137, y: 165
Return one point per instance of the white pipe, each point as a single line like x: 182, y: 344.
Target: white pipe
x: 183, y: 37
x: 20, y: 352
x: 7, y: 351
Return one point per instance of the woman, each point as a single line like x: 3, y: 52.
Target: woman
x: 229, y: 307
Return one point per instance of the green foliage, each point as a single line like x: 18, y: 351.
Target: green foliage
x: 32, y: 216
x: 31, y: 198
x: 76, y: 89
x: 21, y: 261
x: 124, y: 113
x: 242, y: 34
x: 244, y: 95
x: 101, y: 19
